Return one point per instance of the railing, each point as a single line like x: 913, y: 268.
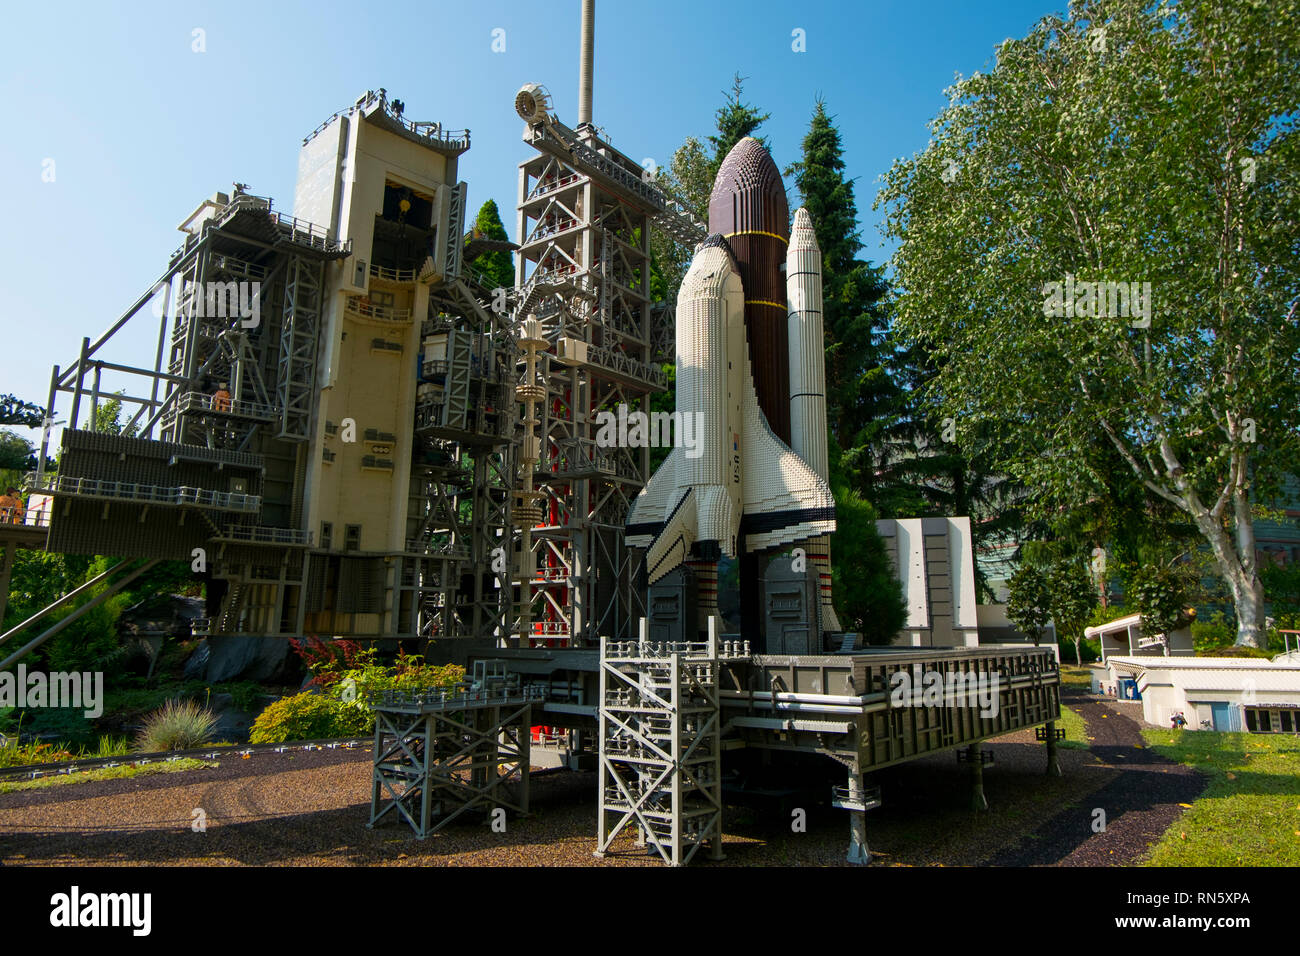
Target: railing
x: 200, y: 402
x: 363, y: 306
x: 258, y: 534
x: 440, y: 698
x: 392, y: 275
x: 449, y: 139
x: 147, y: 494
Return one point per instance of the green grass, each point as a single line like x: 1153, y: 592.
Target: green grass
x: 1249, y: 814
x: 1076, y: 736
x: 105, y: 773
x: 1079, y: 678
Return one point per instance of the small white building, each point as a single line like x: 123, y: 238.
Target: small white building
x: 1212, y: 693
x: 1123, y: 636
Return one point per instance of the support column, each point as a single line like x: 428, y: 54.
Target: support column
x: 6, y: 567
x: 857, y: 801
x: 1053, y: 764
x: 976, y: 761
x: 858, y: 852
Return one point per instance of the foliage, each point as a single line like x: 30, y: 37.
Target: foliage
x: 309, y: 716
x: 1161, y: 593
x: 496, y: 265
x: 868, y: 598
x: 177, y: 725
x: 1161, y: 150
x: 1209, y: 636
x: 1072, y: 599
x: 1029, y: 601
x: 17, y: 454
x: 1282, y: 590
x: 346, y: 672
x: 14, y: 411
x: 736, y: 119
x: 108, y: 418
x: 863, y: 404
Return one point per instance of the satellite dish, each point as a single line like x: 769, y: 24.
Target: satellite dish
x: 533, y: 104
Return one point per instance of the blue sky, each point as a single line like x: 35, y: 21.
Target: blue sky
x: 140, y: 127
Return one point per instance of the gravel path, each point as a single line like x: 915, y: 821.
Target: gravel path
x: 1140, y: 802
x: 310, y: 809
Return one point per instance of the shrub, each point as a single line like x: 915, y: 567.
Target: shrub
x: 309, y: 716
x: 177, y: 725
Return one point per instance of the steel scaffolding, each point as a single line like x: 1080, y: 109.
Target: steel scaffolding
x: 440, y: 753
x: 661, y: 746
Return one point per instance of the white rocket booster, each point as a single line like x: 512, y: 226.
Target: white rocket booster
x: 803, y: 277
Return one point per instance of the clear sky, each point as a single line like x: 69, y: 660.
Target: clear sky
x: 141, y: 128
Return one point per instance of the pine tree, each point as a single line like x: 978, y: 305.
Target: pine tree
x: 496, y: 266
x: 736, y: 120
x: 862, y: 399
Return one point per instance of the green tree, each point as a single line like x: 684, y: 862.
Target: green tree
x: 495, y: 265
x: 1127, y: 144
x: 1029, y: 601
x: 868, y: 597
x: 17, y: 454
x: 862, y: 400
x: 1072, y: 600
x: 736, y: 119
x: 14, y: 411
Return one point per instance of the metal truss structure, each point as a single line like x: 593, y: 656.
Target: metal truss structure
x: 439, y: 755
x: 661, y: 746
x: 585, y: 213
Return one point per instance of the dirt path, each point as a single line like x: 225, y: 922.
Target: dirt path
x: 1139, y: 804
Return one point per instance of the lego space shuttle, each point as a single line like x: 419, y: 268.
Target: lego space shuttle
x: 751, y: 371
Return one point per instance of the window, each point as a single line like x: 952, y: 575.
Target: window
x: 352, y: 538
x: 326, y: 535
x: 1286, y: 721
x: 1250, y: 721
x: 1265, y: 725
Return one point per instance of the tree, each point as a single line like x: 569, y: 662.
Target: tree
x: 688, y: 179
x: 495, y: 265
x: 1098, y: 246
x: 1160, y: 595
x: 1029, y: 601
x: 736, y: 119
x: 862, y: 401
x: 868, y: 597
x: 14, y: 411
x: 16, y: 452
x: 1072, y: 601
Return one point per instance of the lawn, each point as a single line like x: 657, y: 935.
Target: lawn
x: 1249, y: 814
x: 106, y: 773
x: 1076, y: 736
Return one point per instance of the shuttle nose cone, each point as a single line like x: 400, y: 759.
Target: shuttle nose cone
x: 748, y: 195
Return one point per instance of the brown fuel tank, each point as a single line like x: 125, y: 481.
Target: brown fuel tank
x: 748, y: 207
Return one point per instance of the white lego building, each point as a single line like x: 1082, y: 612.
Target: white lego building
x: 1212, y: 693
x: 1124, y: 637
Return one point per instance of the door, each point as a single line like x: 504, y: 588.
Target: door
x: 1224, y: 717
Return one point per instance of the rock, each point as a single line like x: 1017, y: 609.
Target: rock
x: 224, y: 658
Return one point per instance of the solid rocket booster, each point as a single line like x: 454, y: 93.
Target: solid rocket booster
x: 803, y: 278
x: 748, y: 208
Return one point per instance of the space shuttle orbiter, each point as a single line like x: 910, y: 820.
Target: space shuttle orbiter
x: 751, y: 371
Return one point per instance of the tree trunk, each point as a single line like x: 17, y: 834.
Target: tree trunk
x: 1078, y: 653
x: 1237, y: 567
